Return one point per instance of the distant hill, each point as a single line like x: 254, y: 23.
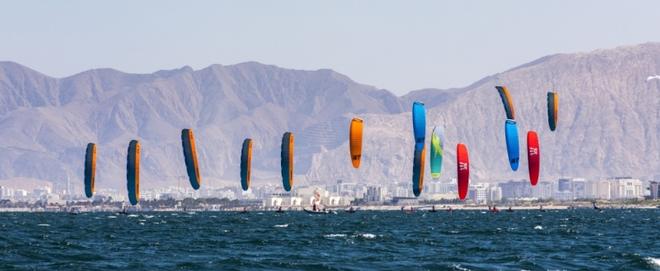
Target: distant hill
x: 609, y: 120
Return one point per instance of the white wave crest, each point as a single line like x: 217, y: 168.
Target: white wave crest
x: 333, y: 235
x: 655, y: 262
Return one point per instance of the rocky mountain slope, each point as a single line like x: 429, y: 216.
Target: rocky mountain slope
x: 609, y: 120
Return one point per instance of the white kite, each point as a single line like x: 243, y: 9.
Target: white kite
x: 653, y: 77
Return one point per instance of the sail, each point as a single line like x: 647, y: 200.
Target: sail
x: 507, y: 102
x: 355, y: 141
x: 418, y: 171
x: 133, y: 172
x: 553, y: 108
x: 462, y: 170
x: 287, y: 161
x: 436, y: 153
x: 246, y: 163
x: 533, y: 157
x: 190, y: 157
x: 512, y: 144
x: 419, y: 124
x: 90, y: 169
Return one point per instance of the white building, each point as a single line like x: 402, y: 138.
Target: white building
x: 483, y: 193
x: 374, y: 194
x: 543, y: 190
x: 626, y: 188
x: 599, y: 189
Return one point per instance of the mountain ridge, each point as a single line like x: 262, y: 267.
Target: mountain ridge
x: 47, y: 121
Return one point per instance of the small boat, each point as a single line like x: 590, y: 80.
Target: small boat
x: 433, y: 210
x: 494, y: 209
x: 244, y: 211
x: 279, y: 210
x: 510, y: 210
x: 541, y: 208
x: 351, y: 210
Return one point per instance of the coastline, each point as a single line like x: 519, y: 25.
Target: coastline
x: 387, y: 208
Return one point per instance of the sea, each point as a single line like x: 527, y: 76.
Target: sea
x: 580, y: 239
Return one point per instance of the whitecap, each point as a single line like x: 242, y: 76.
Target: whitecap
x: 538, y: 227
x: 459, y: 267
x: 132, y: 215
x: 148, y: 216
x: 655, y: 262
x: 333, y: 235
x: 281, y: 226
x: 43, y: 225
x: 112, y: 216
x: 368, y: 235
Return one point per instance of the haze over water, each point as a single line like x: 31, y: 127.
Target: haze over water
x: 461, y: 240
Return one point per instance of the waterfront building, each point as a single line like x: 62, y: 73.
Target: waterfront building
x: 543, y: 190
x: 374, y: 194
x: 516, y: 190
x: 579, y: 188
x: 599, y: 189
x: 479, y: 193
x: 626, y: 188
x: 655, y: 190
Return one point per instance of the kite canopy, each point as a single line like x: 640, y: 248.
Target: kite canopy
x: 418, y: 171
x: 436, y: 153
x: 419, y: 124
x: 355, y: 141
x: 190, y: 157
x: 133, y: 172
x: 507, y: 102
x: 246, y: 163
x: 287, y: 161
x: 533, y: 157
x: 512, y: 144
x: 462, y: 170
x: 553, y: 108
x: 90, y: 169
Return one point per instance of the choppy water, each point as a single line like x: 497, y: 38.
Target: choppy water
x: 462, y: 240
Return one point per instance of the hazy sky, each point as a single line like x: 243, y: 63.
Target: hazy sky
x: 397, y: 45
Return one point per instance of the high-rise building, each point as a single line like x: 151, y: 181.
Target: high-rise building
x: 479, y: 193
x: 543, y: 190
x: 564, y: 185
x: 655, y: 189
x: 374, y: 194
x: 495, y: 194
x: 579, y: 188
x: 516, y: 189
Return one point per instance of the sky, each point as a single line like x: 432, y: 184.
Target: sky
x: 395, y: 45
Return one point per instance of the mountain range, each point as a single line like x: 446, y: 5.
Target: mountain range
x: 609, y: 121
